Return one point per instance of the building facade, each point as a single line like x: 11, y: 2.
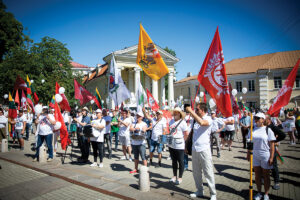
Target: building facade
x: 131, y: 72
x: 262, y: 75
x: 80, y: 69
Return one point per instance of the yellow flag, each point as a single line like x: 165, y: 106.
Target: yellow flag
x: 148, y: 57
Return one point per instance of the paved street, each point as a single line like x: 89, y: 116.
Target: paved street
x: 231, y: 175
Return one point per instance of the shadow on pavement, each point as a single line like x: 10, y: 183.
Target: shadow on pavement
x: 243, y: 193
x: 291, y: 174
x: 119, y: 167
x: 220, y: 168
x: 291, y: 157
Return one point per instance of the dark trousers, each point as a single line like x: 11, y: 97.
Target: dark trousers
x: 275, y: 171
x: 107, y: 140
x: 186, y: 161
x: 28, y: 128
x: 97, y: 149
x: 116, y: 138
x: 244, y: 135
x: 84, y: 146
x: 40, y: 141
x: 177, y: 158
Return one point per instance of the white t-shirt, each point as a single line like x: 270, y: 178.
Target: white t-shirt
x: 98, y: 133
x: 217, y: 123
x: 189, y: 122
x: 289, y: 124
x: 260, y: 140
x: 142, y: 125
x: 229, y: 127
x: 201, y: 136
x: 107, y: 127
x: 158, y: 128
x: 29, y: 117
x: 3, y: 121
x: 123, y: 130
x: 20, y: 120
x: 45, y: 127
x: 178, y: 133
x: 66, y: 117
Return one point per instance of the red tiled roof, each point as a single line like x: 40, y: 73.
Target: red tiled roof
x: 77, y: 65
x: 98, y: 71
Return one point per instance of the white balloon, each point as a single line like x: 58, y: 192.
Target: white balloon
x: 180, y: 97
x: 201, y: 94
x: 57, y: 126
x: 212, y: 103
x: 241, y: 97
x: 38, y: 109
x: 244, y: 90
x: 31, y: 81
x: 5, y: 96
x: 43, y: 81
x: 58, y: 98
x: 234, y: 92
x: 102, y: 101
x: 197, y: 99
x: 92, y: 101
x: 62, y: 90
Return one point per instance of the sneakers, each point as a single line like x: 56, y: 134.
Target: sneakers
x: 49, y: 159
x: 34, y: 160
x: 218, y: 155
x: 276, y: 186
x: 123, y: 158
x: 94, y: 164
x: 197, y: 194
x: 178, y: 182
x: 213, y: 197
x: 130, y: 159
x: 258, y: 196
x: 172, y: 180
x: 266, y: 197
x: 169, y: 158
x: 133, y: 171
x: 100, y: 165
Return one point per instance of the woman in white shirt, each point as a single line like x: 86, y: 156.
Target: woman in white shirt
x: 289, y: 127
x: 138, y: 144
x: 97, y: 141
x: 263, y: 140
x: 178, y: 133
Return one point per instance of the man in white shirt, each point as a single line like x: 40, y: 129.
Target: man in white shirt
x: 3, y: 122
x: 45, y: 123
x: 229, y: 133
x: 217, y: 127
x: 124, y: 134
x: 107, y: 139
x: 20, y: 125
x: 201, y: 154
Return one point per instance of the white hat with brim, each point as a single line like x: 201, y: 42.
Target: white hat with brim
x: 141, y: 114
x: 260, y: 115
x: 85, y: 108
x: 177, y: 109
x: 98, y: 111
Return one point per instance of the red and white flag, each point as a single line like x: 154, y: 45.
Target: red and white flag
x: 151, y: 101
x: 212, y: 76
x: 82, y: 94
x: 64, y: 105
x: 284, y: 94
x: 23, y: 100
x: 20, y: 84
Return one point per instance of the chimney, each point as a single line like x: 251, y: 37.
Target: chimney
x: 189, y: 74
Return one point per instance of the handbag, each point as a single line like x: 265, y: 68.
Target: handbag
x: 189, y: 141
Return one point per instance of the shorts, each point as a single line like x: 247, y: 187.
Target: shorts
x: 18, y: 133
x: 124, y: 140
x: 139, y: 150
x: 154, y: 144
x: 229, y: 135
x: 261, y: 160
x: 222, y: 134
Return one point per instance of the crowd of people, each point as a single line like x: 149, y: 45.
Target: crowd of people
x: 146, y: 129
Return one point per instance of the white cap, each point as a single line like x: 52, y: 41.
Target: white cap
x: 98, y: 111
x: 140, y: 114
x: 45, y: 107
x: 260, y: 115
x: 159, y: 111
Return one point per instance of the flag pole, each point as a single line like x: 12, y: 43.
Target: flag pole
x: 251, y: 159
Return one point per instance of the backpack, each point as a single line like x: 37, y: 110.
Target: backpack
x: 279, y: 134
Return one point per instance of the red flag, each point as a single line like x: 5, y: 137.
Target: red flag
x: 64, y: 136
x: 64, y: 105
x: 12, y: 109
x: 97, y: 102
x: 17, y: 98
x: 168, y: 115
x: 23, y: 100
x: 82, y: 94
x: 35, y: 98
x: 212, y: 76
x: 20, y: 84
x: 284, y: 94
x: 29, y: 101
x: 204, y: 97
x: 151, y: 101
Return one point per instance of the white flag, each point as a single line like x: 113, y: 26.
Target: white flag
x: 140, y: 96
x: 117, y: 89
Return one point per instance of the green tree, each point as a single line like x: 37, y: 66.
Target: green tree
x: 11, y: 31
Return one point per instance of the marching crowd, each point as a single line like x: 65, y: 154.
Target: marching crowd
x: 144, y: 133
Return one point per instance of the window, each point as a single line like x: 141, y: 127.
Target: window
x: 277, y: 82
x: 297, y: 82
x: 238, y: 86
x: 251, y: 86
x: 189, y: 92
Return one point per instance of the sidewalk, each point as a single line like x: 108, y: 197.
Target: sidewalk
x: 231, y: 174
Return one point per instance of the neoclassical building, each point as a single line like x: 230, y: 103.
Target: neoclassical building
x: 262, y: 75
x: 130, y: 72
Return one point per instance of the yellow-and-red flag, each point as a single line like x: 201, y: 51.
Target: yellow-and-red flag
x: 148, y: 57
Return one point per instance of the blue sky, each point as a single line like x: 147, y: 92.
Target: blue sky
x: 92, y: 29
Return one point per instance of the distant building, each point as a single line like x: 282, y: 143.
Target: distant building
x: 262, y: 75
x: 80, y: 69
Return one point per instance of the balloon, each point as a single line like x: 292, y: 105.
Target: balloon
x: 180, y: 97
x: 5, y: 96
x: 31, y: 81
x: 197, y: 99
x: 38, y: 109
x: 201, y: 94
x: 58, y: 98
x: 57, y: 126
x: 43, y: 81
x: 234, y: 92
x: 241, y: 97
x: 244, y: 90
x: 92, y: 101
x: 212, y: 103
x: 62, y: 90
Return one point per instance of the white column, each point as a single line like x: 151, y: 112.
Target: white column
x: 147, y: 82
x: 170, y: 87
x: 155, y: 89
x: 162, y: 91
x: 130, y: 80
x: 136, y: 77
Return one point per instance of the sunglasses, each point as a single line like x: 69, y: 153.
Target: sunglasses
x: 257, y: 118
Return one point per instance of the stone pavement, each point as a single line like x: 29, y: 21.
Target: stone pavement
x: 231, y: 175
